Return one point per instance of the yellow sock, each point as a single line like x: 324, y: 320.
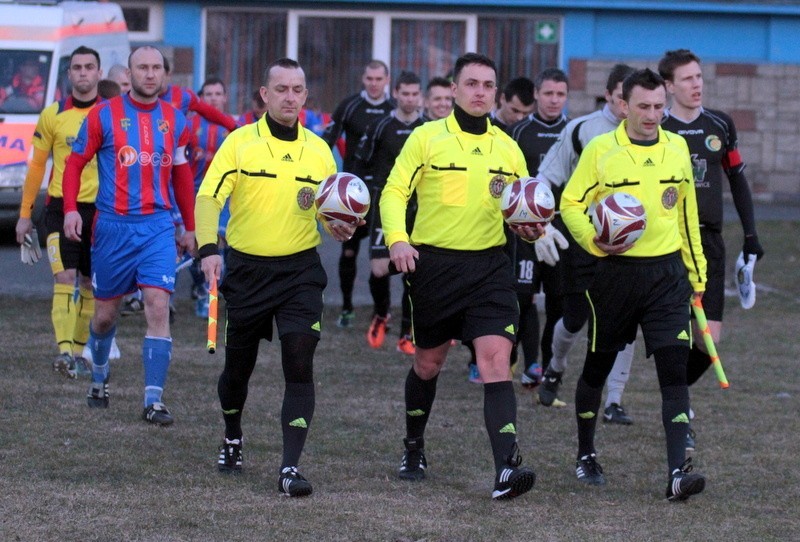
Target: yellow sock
x: 63, y: 314
x: 85, y: 311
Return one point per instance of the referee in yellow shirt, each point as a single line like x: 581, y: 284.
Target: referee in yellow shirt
x: 270, y: 170
x: 460, y: 280
x: 56, y: 129
x: 648, y: 283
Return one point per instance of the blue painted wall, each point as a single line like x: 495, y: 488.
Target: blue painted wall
x: 760, y: 32
x: 182, y: 29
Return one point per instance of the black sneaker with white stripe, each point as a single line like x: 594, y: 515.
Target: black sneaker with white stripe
x: 548, y: 390
x: 230, y: 455
x: 157, y: 414
x: 513, y: 480
x: 589, y: 471
x: 413, y: 465
x: 683, y: 483
x: 292, y: 484
x: 97, y: 397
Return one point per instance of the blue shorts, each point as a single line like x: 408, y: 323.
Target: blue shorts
x: 133, y: 251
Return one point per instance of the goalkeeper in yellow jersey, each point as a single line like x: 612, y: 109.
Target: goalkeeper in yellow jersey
x: 70, y: 260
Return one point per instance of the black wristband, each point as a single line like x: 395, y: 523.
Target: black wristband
x: 208, y: 250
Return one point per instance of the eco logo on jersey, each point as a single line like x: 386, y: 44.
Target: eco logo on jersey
x: 496, y: 186
x: 713, y: 143
x: 128, y: 156
x: 669, y: 197
x: 305, y: 198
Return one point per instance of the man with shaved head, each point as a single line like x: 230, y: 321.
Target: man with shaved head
x: 139, y: 142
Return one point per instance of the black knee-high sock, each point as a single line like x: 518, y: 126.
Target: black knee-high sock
x: 297, y: 358
x: 553, y: 310
x: 381, y: 295
x: 675, y: 417
x: 699, y: 361
x: 671, y: 369
x: 500, y: 416
x: 587, y: 406
x: 588, y: 393
x: 419, y: 400
x: 232, y: 386
x: 347, y: 272
x: 296, y: 415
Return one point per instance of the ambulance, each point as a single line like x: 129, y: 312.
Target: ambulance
x: 36, y: 39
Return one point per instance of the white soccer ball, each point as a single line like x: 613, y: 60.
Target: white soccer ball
x: 619, y: 219
x: 527, y: 202
x: 342, y: 198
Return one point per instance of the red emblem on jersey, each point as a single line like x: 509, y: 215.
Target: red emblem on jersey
x: 127, y: 156
x: 163, y: 126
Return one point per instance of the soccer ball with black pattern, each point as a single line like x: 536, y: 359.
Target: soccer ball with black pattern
x: 527, y: 202
x: 342, y: 198
x: 619, y: 219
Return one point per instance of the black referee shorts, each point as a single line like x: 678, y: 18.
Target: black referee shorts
x: 714, y: 296
x: 258, y: 289
x: 628, y: 292
x: 64, y: 253
x: 462, y: 295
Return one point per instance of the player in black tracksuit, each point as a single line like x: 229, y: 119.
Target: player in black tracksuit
x: 712, y: 141
x: 535, y: 135
x: 376, y: 154
x: 352, y: 117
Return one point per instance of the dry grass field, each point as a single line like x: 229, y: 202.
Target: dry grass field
x: 70, y: 473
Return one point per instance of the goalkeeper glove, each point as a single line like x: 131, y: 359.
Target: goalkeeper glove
x: 752, y: 246
x: 30, y: 252
x: 545, y: 246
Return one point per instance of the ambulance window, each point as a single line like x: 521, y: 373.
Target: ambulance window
x: 23, y: 80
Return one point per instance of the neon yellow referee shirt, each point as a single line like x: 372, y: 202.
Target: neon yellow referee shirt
x: 271, y: 184
x: 660, y: 176
x: 459, y: 178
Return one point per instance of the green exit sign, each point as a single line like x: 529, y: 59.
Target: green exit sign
x: 546, y: 32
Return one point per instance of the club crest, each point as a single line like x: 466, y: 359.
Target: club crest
x: 713, y: 143
x: 163, y: 126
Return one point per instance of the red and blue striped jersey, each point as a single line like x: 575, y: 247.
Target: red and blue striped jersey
x: 136, y: 146
x: 247, y: 118
x: 209, y: 137
x: 184, y: 100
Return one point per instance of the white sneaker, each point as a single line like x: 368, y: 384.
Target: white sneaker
x: 114, y: 353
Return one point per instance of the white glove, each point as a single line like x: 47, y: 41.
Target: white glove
x: 545, y: 246
x: 743, y: 275
x: 30, y: 252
